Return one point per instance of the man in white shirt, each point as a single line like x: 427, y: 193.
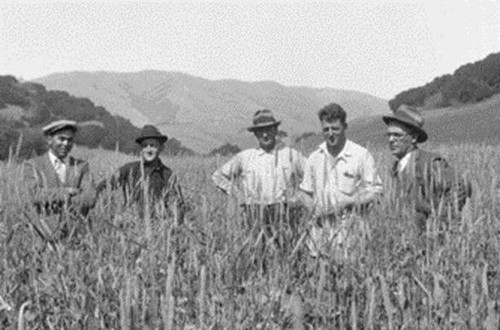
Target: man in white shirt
x: 339, y: 177
x: 264, y: 180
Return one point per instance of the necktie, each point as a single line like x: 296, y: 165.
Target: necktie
x: 60, y: 168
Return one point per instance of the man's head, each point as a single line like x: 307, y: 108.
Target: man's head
x: 265, y: 129
x: 152, y: 143
x: 333, y: 125
x: 404, y: 130
x: 60, y: 137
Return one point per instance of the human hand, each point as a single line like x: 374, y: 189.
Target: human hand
x: 71, y: 191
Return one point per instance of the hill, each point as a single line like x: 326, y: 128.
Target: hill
x: 25, y: 107
x: 476, y: 123
x: 203, y: 113
x: 470, y: 83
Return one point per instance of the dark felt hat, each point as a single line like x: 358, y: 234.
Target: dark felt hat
x: 263, y: 118
x: 151, y: 132
x: 410, y: 117
x: 58, y: 125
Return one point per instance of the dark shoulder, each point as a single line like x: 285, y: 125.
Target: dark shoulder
x: 37, y: 160
x: 166, y: 170
x: 128, y: 167
x: 429, y: 157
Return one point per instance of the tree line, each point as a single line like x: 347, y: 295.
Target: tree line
x: 470, y: 83
x: 25, y: 107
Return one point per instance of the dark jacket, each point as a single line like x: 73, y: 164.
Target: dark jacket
x: 155, y: 178
x: 430, y: 184
x: 47, y: 190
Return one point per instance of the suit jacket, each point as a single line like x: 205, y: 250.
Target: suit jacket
x: 161, y: 182
x: 429, y: 183
x: 47, y: 190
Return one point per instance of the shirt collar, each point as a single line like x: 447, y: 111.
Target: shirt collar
x: 344, y: 153
x: 54, y: 159
x: 261, y: 151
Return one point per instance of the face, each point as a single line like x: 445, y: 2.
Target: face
x: 61, y: 142
x: 400, y: 140
x: 266, y: 137
x: 334, y: 132
x: 151, y: 149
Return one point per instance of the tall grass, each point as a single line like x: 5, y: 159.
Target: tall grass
x: 119, y: 272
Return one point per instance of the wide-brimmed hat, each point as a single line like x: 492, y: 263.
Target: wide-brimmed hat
x: 410, y: 117
x: 58, y: 125
x: 151, y: 132
x: 263, y: 118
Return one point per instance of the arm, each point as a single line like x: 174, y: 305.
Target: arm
x: 370, y: 188
x: 447, y: 185
x: 37, y: 187
x: 224, y: 176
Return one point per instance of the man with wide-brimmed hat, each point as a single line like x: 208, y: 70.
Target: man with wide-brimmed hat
x: 147, y: 183
x: 422, y: 179
x: 263, y: 180
x: 57, y: 181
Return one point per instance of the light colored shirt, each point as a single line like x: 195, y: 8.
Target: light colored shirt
x: 403, y: 162
x: 337, y: 182
x: 59, y: 166
x: 265, y: 177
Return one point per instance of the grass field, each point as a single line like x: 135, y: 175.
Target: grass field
x: 124, y: 274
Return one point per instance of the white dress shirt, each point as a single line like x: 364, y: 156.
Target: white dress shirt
x: 333, y: 182
x: 59, y: 166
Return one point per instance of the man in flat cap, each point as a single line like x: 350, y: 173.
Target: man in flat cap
x: 148, y: 174
x: 57, y: 181
x: 340, y: 179
x: 421, y: 178
x: 264, y: 180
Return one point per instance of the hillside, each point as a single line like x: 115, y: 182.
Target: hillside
x: 470, y: 83
x: 203, y: 113
x: 25, y: 107
x: 477, y: 123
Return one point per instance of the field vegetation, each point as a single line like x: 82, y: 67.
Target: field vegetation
x: 114, y: 271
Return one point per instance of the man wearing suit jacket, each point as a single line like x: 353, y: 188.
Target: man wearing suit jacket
x: 59, y: 184
x: 421, y: 178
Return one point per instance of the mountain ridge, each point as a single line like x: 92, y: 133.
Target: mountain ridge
x: 205, y: 113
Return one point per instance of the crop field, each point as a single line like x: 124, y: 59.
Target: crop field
x: 116, y: 271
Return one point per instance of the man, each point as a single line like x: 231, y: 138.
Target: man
x: 421, y: 178
x: 264, y: 180
x: 58, y: 182
x: 340, y: 177
x: 151, y: 175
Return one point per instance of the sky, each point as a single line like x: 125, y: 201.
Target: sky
x: 377, y: 47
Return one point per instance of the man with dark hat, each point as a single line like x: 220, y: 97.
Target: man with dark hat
x: 149, y: 175
x: 263, y: 180
x: 58, y: 181
x: 423, y: 179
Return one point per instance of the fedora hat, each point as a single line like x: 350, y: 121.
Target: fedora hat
x: 58, y: 125
x: 263, y: 118
x: 151, y: 132
x: 410, y: 117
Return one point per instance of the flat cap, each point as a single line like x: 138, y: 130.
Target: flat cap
x: 59, y: 125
